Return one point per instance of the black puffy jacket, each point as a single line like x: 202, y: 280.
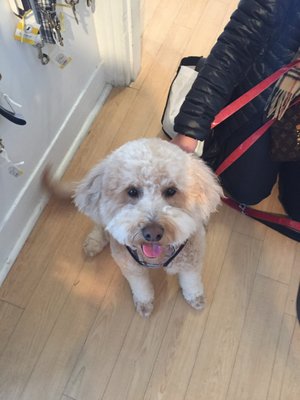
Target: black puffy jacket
x: 261, y: 36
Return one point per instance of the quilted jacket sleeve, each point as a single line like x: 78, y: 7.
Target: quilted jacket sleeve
x: 242, y: 40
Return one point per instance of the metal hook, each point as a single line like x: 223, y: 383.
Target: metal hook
x: 42, y: 56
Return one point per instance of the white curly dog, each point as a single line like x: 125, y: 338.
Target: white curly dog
x: 151, y: 201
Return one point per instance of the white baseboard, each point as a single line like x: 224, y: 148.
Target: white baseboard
x: 30, y: 203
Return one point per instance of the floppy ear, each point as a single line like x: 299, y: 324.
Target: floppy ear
x: 88, y: 193
x: 206, y: 188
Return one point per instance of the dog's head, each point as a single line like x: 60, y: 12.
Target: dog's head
x: 149, y: 194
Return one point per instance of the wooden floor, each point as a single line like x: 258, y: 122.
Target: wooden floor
x: 68, y: 329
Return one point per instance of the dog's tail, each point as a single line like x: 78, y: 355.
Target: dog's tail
x: 60, y: 190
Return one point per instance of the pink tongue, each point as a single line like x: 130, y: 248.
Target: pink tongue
x: 152, y: 250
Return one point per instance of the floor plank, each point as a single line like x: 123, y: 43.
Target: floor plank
x: 252, y: 374
x: 157, y: 31
x: 190, y: 10
x: 141, y: 346
x: 9, y: 317
x: 99, y: 354
x: 286, y: 333
x: 38, y: 319
x: 216, y: 356
x: 291, y: 387
x: 33, y: 260
x: 278, y: 256
x: 209, y: 27
x: 294, y: 284
x: 68, y: 328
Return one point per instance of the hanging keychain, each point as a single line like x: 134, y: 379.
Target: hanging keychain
x: 13, y: 167
x: 45, y: 11
x: 43, y: 57
x: 28, y: 30
x: 73, y: 4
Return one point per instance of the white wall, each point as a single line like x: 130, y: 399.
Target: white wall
x: 59, y: 106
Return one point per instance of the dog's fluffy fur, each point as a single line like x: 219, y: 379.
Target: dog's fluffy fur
x: 150, y: 191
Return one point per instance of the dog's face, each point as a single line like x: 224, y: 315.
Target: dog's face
x: 149, y: 194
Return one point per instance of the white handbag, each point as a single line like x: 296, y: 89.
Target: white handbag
x: 185, y: 76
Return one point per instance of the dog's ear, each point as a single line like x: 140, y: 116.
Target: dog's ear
x: 206, y: 188
x: 88, y: 193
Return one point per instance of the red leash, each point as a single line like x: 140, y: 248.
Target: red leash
x: 262, y: 215
x: 243, y: 147
x: 237, y: 104
x: 225, y: 113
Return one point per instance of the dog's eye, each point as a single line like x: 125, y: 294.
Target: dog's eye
x: 133, y: 192
x: 170, y: 192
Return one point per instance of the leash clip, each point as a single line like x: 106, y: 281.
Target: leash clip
x: 243, y: 208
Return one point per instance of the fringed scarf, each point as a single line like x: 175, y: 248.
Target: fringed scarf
x: 285, y: 91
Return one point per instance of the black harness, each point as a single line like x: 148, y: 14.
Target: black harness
x: 134, y: 255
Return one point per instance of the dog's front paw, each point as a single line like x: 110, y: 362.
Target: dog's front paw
x: 144, y: 309
x: 196, y: 302
x: 91, y: 247
x: 95, y: 242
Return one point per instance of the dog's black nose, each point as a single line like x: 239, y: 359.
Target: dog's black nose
x: 153, y: 232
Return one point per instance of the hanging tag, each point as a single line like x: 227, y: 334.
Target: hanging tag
x: 15, y: 171
x: 61, y: 17
x: 13, y: 168
x: 28, y: 30
x: 60, y: 59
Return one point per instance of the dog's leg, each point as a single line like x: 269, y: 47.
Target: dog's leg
x: 142, y: 291
x: 192, y: 288
x: 95, y: 241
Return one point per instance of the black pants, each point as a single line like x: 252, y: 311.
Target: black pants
x: 289, y: 188
x: 251, y: 178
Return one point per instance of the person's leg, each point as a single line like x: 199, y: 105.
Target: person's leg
x: 289, y: 188
x: 251, y: 178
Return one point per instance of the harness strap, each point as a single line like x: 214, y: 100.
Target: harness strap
x: 144, y: 264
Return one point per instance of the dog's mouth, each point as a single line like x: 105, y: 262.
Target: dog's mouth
x: 154, y: 255
x: 154, y: 250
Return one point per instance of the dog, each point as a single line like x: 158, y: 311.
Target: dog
x: 151, y: 202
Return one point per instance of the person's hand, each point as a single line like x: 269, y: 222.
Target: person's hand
x: 188, y: 144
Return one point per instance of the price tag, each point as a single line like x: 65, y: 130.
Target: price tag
x: 28, y: 31
x: 60, y: 59
x: 13, y: 167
